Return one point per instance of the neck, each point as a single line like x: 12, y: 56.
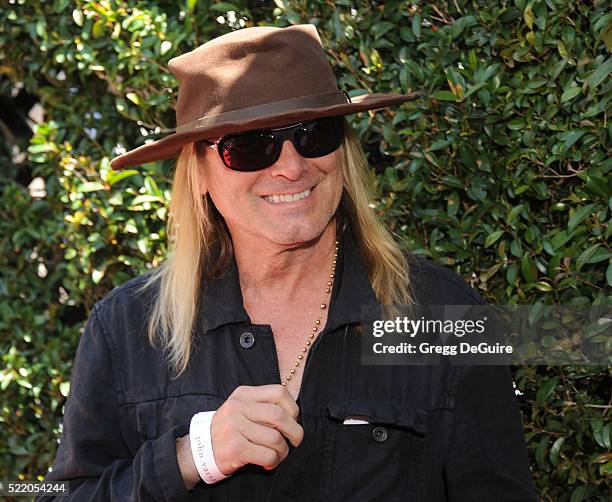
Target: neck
x: 275, y: 271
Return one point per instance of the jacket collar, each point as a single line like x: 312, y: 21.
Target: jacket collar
x: 222, y: 303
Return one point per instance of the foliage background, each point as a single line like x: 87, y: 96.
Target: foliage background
x: 501, y: 172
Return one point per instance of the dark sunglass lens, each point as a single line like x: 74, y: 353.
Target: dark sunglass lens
x: 320, y: 137
x: 248, y: 151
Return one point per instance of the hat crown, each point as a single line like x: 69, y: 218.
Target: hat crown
x: 250, y: 67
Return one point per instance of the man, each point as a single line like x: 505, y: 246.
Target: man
x: 233, y: 371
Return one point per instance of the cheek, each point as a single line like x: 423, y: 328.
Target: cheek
x: 332, y: 164
x: 228, y: 191
x: 334, y: 174
x: 224, y: 197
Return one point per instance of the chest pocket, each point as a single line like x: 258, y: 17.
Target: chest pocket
x: 379, y: 460
x: 157, y: 416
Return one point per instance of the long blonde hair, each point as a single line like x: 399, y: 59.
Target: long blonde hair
x: 200, y: 247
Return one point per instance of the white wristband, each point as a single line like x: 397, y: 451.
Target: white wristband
x: 201, y: 447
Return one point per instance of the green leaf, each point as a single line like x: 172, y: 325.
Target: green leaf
x: 145, y: 198
x: 540, y: 454
x: 546, y: 389
x: 571, y: 137
x: 555, y: 450
x: 560, y: 238
x: 77, y: 15
x: 133, y: 97
x: 166, y: 46
x: 97, y: 275
x: 452, y: 181
x: 579, y: 216
x: 606, y: 36
x: 492, y: 237
x: 516, y: 124
x: 513, y: 213
x: 511, y: 273
x: 579, y: 494
x: 473, y: 89
x: 461, y: 24
x: 528, y: 17
x: 416, y: 25
x: 563, y: 50
x: 152, y: 187
x: 597, y: 327
x: 379, y: 29
x: 570, y: 94
x: 444, y: 96
x: 585, y: 256
x: 543, y: 286
x: 116, y: 176
x: 64, y: 388
x: 548, y: 248
x: 98, y: 28
x: 90, y: 186
x: 224, y: 7
x: 600, y: 74
x: 529, y: 269
x: 596, y: 255
x: 44, y: 148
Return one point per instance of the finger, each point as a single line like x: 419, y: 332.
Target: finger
x: 268, y: 437
x: 275, y: 416
x: 256, y: 454
x: 276, y: 394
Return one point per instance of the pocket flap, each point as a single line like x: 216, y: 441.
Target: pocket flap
x: 380, y: 412
x: 146, y: 416
x: 157, y: 416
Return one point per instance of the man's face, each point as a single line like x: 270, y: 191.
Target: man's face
x: 251, y: 202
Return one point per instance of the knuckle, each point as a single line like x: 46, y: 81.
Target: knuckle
x: 228, y: 404
x: 276, y: 413
x: 296, y: 410
x: 270, y: 457
x: 232, y: 404
x: 277, y: 439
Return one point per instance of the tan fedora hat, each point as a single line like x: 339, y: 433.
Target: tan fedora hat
x: 253, y: 78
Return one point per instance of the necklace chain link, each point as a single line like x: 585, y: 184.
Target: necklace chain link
x: 317, y: 323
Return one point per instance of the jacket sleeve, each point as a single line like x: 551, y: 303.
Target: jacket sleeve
x: 487, y: 459
x: 92, y: 455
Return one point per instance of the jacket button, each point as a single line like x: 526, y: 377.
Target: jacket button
x: 247, y: 340
x: 379, y: 434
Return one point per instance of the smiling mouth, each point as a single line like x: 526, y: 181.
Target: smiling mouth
x: 278, y: 199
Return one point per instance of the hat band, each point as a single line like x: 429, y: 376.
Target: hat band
x: 322, y: 100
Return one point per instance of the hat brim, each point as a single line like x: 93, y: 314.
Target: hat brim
x: 171, y: 145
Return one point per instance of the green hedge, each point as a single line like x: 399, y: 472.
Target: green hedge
x: 501, y: 172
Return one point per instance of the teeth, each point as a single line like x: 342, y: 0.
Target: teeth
x: 287, y: 198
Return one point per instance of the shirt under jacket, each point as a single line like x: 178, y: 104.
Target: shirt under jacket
x: 437, y: 433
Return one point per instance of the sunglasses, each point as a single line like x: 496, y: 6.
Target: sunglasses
x: 255, y: 150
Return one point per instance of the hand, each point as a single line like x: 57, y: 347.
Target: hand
x: 253, y: 426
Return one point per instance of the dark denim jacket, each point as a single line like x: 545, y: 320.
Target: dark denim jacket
x: 437, y: 433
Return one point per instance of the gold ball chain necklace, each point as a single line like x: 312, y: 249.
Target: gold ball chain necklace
x: 317, y: 324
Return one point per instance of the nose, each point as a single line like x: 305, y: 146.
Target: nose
x: 290, y: 164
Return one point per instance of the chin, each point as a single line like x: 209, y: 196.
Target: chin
x: 297, y: 233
